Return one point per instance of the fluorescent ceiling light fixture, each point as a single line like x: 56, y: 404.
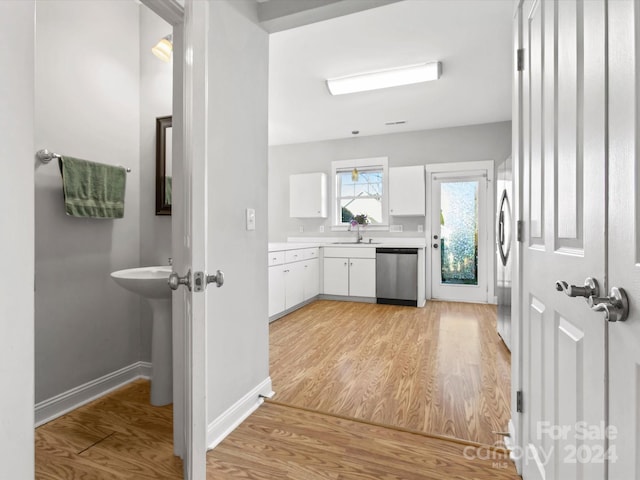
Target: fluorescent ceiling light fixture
x: 392, y: 77
x: 164, y: 48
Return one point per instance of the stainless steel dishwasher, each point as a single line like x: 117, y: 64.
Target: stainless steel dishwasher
x: 397, y: 276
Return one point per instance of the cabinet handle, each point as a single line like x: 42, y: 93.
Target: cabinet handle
x: 345, y: 264
x: 351, y: 264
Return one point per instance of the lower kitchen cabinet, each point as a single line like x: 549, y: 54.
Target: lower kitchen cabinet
x: 293, y: 282
x: 349, y: 275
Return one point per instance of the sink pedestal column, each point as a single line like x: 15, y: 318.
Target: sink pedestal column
x: 161, y: 352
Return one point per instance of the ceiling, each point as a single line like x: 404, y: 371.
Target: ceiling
x: 472, y: 39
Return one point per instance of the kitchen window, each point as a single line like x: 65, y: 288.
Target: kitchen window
x: 360, y: 188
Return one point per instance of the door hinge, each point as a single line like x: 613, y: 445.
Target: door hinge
x: 519, y: 401
x: 520, y: 59
x: 520, y: 230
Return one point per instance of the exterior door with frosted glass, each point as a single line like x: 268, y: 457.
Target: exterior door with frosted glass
x: 458, y: 237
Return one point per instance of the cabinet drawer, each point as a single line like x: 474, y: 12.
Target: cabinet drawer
x: 291, y: 256
x: 350, y: 252
x: 276, y: 258
x: 309, y: 253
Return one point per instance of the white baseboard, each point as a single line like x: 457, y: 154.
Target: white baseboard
x: 65, y: 402
x: 237, y: 413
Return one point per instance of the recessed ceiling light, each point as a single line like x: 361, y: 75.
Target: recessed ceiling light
x: 392, y: 77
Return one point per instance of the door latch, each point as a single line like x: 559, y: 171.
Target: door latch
x: 200, y: 280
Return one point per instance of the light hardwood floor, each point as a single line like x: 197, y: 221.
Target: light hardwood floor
x: 441, y: 369
x: 123, y: 437
x: 340, y: 355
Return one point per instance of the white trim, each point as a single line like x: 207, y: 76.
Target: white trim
x: 476, y: 167
x: 65, y: 402
x: 226, y: 423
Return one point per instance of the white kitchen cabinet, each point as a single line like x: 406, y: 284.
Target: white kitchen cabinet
x: 311, y: 278
x: 294, y: 277
x: 308, y: 195
x: 336, y: 276
x: 407, y: 191
x: 293, y: 284
x: 350, y: 271
x: 276, y: 289
x: 362, y: 277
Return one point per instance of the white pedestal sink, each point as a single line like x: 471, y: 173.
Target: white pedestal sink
x: 151, y: 283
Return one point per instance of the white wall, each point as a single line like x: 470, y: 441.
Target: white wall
x: 237, y: 327
x: 156, y: 85
x: 87, y: 105
x: 490, y: 141
x: 16, y: 242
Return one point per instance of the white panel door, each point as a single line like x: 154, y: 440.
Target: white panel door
x: 563, y: 195
x: 624, y: 236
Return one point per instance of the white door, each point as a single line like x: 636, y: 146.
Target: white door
x: 17, y: 34
x: 624, y: 229
x: 563, y: 194
x: 223, y: 173
x: 459, y: 249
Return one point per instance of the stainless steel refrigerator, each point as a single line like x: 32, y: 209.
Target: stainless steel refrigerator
x: 504, y: 246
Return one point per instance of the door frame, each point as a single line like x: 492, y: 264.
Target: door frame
x: 173, y: 13
x: 461, y: 167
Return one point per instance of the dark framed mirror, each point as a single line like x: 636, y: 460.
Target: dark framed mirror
x: 164, y: 165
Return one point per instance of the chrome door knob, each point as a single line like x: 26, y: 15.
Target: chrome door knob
x: 615, y: 306
x: 218, y: 278
x: 176, y: 280
x: 589, y: 289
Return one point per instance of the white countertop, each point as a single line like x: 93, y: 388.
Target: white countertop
x: 302, y: 242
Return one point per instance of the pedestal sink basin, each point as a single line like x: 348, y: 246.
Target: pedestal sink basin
x: 151, y: 283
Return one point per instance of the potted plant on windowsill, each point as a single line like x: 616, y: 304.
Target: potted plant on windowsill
x: 358, y: 221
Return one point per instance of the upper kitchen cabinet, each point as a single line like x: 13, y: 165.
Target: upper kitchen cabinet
x: 406, y: 191
x: 308, y: 195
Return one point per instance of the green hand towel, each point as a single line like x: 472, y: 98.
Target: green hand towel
x: 92, y: 189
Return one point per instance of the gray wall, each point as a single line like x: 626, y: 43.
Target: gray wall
x: 156, y: 85
x: 490, y: 141
x: 237, y: 333
x: 87, y: 105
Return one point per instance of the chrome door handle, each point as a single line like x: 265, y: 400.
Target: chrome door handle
x: 218, y: 278
x: 615, y: 306
x: 176, y: 280
x: 590, y: 288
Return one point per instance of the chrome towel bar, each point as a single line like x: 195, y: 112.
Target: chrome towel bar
x: 45, y: 156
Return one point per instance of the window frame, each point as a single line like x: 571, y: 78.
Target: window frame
x: 375, y: 163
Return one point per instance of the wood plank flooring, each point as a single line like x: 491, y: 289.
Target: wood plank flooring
x: 119, y: 436
x: 281, y: 442
x: 441, y: 369
x: 122, y: 436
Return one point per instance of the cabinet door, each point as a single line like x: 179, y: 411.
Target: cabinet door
x: 336, y: 276
x: 407, y: 191
x: 308, y: 195
x: 362, y: 277
x: 294, y: 284
x: 276, y: 289
x: 311, y: 278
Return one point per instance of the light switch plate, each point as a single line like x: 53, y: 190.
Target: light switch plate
x: 395, y: 228
x: 251, y: 219
x: 321, y: 229
x: 420, y: 228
